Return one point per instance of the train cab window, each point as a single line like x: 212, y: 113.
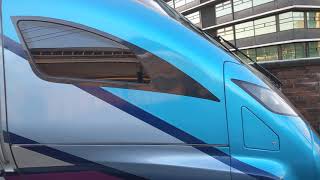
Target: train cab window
x: 70, y: 53
x: 66, y: 52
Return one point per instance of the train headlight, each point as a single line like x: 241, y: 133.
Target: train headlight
x: 267, y: 97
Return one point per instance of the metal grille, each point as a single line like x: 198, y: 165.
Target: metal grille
x: 72, y: 53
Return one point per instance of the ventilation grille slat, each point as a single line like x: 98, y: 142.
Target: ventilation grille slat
x: 47, y: 53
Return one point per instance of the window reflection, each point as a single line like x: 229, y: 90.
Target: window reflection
x: 259, y: 2
x: 314, y: 49
x: 180, y: 3
x: 240, y: 5
x: 257, y: 27
x: 56, y: 54
x: 244, y: 30
x: 300, y: 50
x: 288, y: 51
x: 226, y: 33
x: 265, y: 25
x: 251, y: 53
x: 267, y: 53
x: 223, y: 9
x: 313, y: 19
x: 291, y: 20
x: 286, y: 21
x: 194, y: 17
x: 170, y: 3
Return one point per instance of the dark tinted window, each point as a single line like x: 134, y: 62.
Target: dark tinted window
x: 67, y: 52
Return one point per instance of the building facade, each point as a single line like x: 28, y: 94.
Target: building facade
x: 283, y: 35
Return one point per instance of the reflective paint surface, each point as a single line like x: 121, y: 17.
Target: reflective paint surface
x: 293, y: 157
x: 115, y: 133
x: 64, y: 138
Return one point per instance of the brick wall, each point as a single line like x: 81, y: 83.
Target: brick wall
x: 301, y: 84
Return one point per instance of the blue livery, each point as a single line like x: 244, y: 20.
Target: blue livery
x: 130, y: 89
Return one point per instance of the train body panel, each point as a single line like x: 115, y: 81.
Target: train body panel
x: 130, y: 89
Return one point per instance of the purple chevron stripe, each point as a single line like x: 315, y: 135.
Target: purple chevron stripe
x: 135, y: 111
x: 162, y: 125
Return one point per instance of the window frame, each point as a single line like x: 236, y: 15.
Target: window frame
x: 244, y: 30
x: 171, y: 3
x: 184, y: 2
x: 291, y: 20
x: 267, y: 55
x: 69, y: 80
x: 260, y: 24
x: 255, y: 4
x: 222, y: 9
x: 241, y: 5
x: 225, y: 32
x: 194, y: 16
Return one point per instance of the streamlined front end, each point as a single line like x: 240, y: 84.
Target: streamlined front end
x: 272, y: 135
x: 130, y: 89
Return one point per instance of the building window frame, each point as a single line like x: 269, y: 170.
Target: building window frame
x: 194, y: 17
x: 225, y: 7
x: 227, y: 33
x: 261, y: 3
x: 240, y: 5
x: 244, y: 30
x: 260, y: 25
x: 183, y: 3
x: 292, y: 20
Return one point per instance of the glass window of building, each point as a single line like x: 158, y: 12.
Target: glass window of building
x: 179, y: 3
x: 291, y: 20
x: 300, y: 50
x: 240, y: 5
x: 259, y: 2
x: 313, y: 19
x: 314, y: 49
x: 223, y: 9
x: 194, y: 17
x: 226, y: 33
x: 288, y: 51
x: 244, y: 30
x: 249, y: 52
x: 265, y: 25
x: 170, y: 3
x: 267, y: 53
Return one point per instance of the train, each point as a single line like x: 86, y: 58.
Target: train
x: 130, y: 89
